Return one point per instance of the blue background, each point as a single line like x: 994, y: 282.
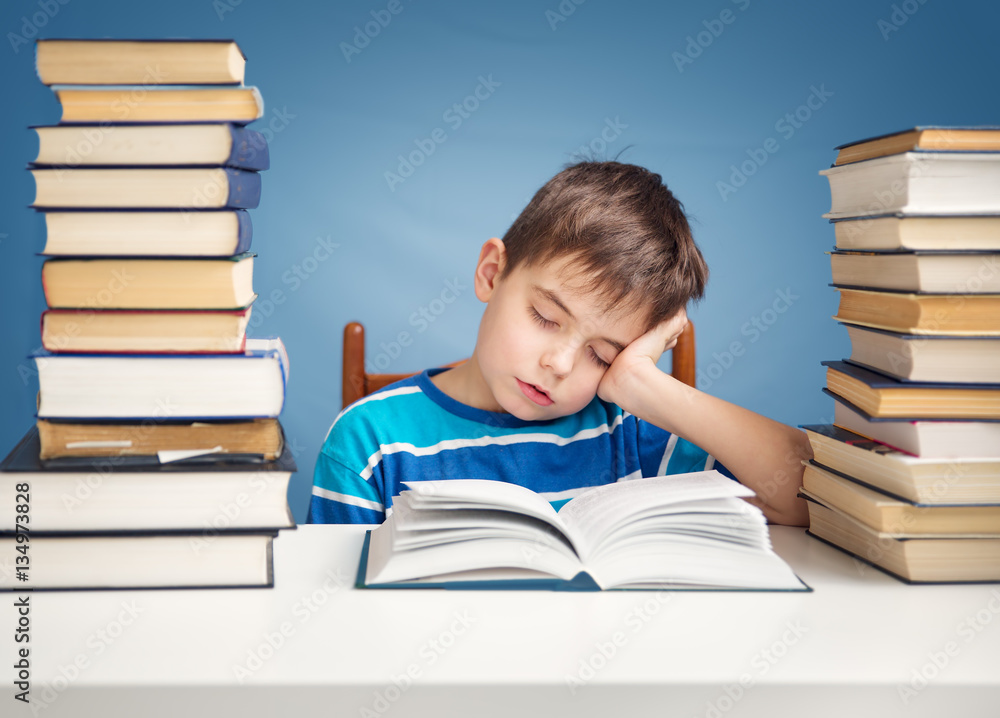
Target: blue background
x: 688, y: 103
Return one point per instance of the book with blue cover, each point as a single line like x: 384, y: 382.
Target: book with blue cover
x: 135, y: 233
x: 193, y: 188
x: 686, y: 531
x: 151, y: 145
x: 151, y: 386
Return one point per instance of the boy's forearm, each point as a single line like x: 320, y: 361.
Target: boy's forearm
x: 764, y: 454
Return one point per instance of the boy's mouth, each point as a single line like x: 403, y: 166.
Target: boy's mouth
x: 537, y: 395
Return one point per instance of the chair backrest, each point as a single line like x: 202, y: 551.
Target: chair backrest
x: 357, y: 383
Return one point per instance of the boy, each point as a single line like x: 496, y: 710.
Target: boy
x: 583, y: 293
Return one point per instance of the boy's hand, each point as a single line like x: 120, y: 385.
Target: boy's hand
x: 639, y: 356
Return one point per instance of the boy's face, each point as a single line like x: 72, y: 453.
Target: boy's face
x: 543, y: 344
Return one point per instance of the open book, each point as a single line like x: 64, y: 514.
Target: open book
x: 689, y: 531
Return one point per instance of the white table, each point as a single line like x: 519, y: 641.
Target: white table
x: 862, y: 644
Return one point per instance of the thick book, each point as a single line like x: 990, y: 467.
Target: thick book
x: 913, y: 560
x: 134, y: 233
x: 202, y: 493
x: 122, y: 283
x: 146, y: 188
x: 219, y: 145
x: 919, y: 232
x: 894, y: 516
x: 688, y: 531
x: 927, y: 357
x: 217, y: 441
x: 882, y: 396
x: 962, y: 480
x: 916, y: 183
x: 195, y: 386
x: 951, y: 139
x: 914, y: 313
x: 928, y: 438
x: 234, y: 559
x: 144, y: 331
x: 128, y: 104
x: 959, y: 273
x: 139, y: 62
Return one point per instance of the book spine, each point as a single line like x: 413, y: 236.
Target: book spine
x: 249, y: 149
x: 244, y: 189
x: 244, y: 232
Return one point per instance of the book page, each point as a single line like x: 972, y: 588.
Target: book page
x: 483, y: 493
x: 597, y: 512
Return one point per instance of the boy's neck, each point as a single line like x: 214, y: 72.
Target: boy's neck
x: 465, y: 385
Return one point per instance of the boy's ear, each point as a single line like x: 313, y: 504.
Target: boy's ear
x: 492, y: 259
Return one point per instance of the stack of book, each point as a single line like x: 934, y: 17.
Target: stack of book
x: 157, y: 459
x: 908, y: 478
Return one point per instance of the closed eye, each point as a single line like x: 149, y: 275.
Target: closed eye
x: 597, y: 360
x: 547, y: 323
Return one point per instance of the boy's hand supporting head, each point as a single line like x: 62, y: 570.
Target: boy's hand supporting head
x: 625, y: 375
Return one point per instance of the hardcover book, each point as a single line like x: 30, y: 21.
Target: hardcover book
x: 930, y: 137
x: 688, y: 531
x: 914, y: 313
x: 912, y: 560
x: 195, y: 386
x: 205, y: 492
x: 146, y: 188
x: 893, y: 515
x: 235, y: 559
x: 927, y: 357
x: 963, y: 480
x: 919, y: 232
x: 882, y: 396
x: 134, y: 233
x: 121, y: 283
x: 929, y: 438
x: 146, y: 331
x: 944, y: 272
x: 138, y: 62
x: 217, y: 145
x: 927, y: 183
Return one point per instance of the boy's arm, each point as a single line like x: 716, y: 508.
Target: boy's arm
x: 765, y: 455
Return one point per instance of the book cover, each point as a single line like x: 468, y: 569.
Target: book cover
x: 581, y: 582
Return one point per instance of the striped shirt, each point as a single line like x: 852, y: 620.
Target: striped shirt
x: 412, y: 431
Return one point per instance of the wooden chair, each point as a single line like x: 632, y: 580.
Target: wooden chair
x: 356, y: 383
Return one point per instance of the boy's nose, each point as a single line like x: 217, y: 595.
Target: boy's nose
x: 559, y: 358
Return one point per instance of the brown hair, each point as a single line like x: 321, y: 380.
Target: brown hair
x: 623, y: 230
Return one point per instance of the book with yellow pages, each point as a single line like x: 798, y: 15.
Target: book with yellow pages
x: 139, y: 62
x: 955, y: 272
x: 893, y: 515
x: 687, y: 531
x: 175, y: 283
x: 262, y: 438
x: 883, y: 396
x: 915, y: 232
x: 145, y: 331
x: 966, y: 359
x: 938, y: 559
x: 962, y: 480
x: 921, y: 313
x: 195, y: 188
x: 930, y: 137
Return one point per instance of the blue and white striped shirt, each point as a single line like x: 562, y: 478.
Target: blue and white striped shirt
x: 412, y: 431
